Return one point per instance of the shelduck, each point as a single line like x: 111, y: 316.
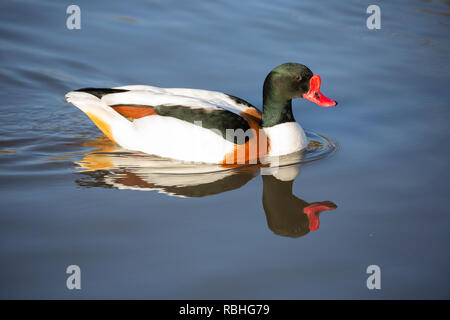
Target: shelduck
x: 205, y: 126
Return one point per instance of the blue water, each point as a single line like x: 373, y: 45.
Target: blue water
x: 68, y: 197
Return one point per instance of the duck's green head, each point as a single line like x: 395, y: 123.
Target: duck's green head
x: 294, y: 80
x: 286, y: 82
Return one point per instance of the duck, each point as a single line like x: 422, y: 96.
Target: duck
x: 201, y: 126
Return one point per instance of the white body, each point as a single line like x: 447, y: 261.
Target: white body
x: 178, y: 139
x: 285, y: 138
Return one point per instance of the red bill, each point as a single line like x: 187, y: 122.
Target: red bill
x: 315, y: 95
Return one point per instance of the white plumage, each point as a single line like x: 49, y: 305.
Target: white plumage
x: 174, y: 138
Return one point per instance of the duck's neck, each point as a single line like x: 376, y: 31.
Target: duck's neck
x: 283, y: 209
x: 276, y: 111
x: 277, y: 108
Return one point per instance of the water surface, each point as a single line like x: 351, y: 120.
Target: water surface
x: 69, y: 197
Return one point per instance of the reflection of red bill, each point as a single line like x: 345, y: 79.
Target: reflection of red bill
x: 315, y: 95
x: 313, y: 211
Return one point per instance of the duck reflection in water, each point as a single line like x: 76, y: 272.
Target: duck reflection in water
x: 286, y: 214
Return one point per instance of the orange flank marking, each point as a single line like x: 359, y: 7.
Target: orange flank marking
x: 255, y: 148
x: 135, y: 112
x: 254, y: 113
x: 102, y: 125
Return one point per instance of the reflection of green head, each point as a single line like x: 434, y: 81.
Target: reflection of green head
x: 284, y: 211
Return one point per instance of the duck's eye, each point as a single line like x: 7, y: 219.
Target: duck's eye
x: 297, y: 78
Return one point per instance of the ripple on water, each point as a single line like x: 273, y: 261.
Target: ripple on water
x: 64, y: 156
x: 110, y: 166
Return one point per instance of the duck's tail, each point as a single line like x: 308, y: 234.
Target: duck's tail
x: 110, y: 122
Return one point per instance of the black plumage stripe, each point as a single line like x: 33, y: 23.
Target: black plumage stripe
x: 100, y: 92
x: 219, y: 119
